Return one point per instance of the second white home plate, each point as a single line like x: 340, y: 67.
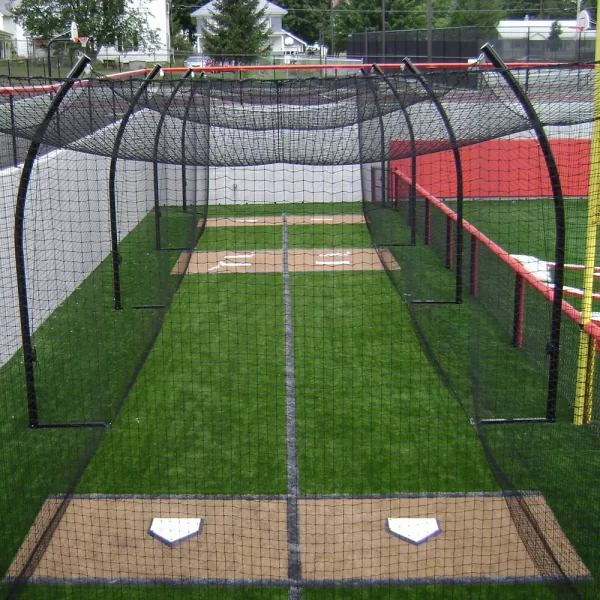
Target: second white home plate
x: 174, y: 531
x: 413, y: 530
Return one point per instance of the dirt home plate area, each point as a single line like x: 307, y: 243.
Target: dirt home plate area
x: 103, y: 538
x: 271, y: 261
x: 291, y: 220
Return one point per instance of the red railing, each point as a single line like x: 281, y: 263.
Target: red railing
x: 523, y: 276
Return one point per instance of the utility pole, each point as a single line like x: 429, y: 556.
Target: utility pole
x: 429, y: 30
x: 331, y: 22
x: 383, y: 53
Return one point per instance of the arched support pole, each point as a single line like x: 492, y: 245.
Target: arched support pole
x: 559, y: 216
x: 459, y: 175
x: 412, y: 194
x: 19, y: 233
x: 161, y: 121
x: 112, y: 187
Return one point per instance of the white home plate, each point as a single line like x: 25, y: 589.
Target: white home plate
x: 415, y: 531
x: 174, y: 531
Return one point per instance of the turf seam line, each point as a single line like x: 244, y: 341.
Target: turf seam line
x: 293, y: 484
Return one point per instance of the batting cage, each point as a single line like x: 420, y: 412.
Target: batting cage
x: 270, y: 335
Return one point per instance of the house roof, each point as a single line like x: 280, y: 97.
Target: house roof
x: 271, y: 9
x: 286, y: 33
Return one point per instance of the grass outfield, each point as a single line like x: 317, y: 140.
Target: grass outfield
x: 209, y: 404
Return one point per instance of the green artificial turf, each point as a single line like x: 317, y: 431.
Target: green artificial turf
x: 373, y: 415
x: 270, y: 237
x: 209, y: 404
x: 207, y: 411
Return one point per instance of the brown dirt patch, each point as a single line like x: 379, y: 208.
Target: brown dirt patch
x: 291, y: 220
x: 271, y: 261
x: 106, y: 538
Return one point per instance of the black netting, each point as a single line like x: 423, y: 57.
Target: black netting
x: 298, y: 309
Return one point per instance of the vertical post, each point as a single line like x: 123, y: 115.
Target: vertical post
x: 518, y: 311
x: 429, y: 30
x: 474, y: 267
x: 383, y: 52
x: 112, y: 187
x: 19, y: 233
x: 559, y: 217
x: 331, y: 27
x: 156, y: 182
x: 459, y: 175
x: 449, y: 242
x: 13, y: 128
x: 587, y: 354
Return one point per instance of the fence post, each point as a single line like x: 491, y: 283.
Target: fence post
x: 518, y: 311
x: 474, y: 267
x: 13, y: 128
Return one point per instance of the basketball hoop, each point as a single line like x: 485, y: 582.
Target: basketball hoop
x: 83, y: 40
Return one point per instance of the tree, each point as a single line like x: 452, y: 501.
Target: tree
x: 182, y: 21
x: 540, y: 9
x: 553, y: 41
x: 484, y: 14
x: 354, y: 16
x: 110, y: 22
x: 307, y: 18
x: 236, y: 31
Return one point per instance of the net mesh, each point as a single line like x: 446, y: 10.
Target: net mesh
x: 294, y: 337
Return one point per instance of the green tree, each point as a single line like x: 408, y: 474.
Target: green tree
x: 182, y: 21
x: 110, y: 22
x: 554, y: 42
x: 306, y: 18
x: 353, y: 16
x: 540, y: 9
x: 237, y: 31
x: 483, y: 13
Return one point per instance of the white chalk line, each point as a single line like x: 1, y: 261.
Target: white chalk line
x: 332, y: 263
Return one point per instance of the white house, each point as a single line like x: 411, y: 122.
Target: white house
x: 13, y: 39
x: 158, y: 19
x: 534, y: 29
x: 282, y: 42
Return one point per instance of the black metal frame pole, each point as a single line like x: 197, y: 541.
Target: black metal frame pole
x: 161, y: 121
x: 382, y: 136
x: 19, y: 231
x: 559, y: 217
x: 412, y: 197
x: 183, y: 126
x: 459, y: 175
x: 112, y: 187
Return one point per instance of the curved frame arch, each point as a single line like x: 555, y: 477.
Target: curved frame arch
x: 459, y: 174
x: 112, y: 187
x: 559, y: 217
x: 19, y: 234
x: 161, y: 121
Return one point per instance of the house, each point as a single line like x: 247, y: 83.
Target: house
x: 158, y: 19
x: 282, y: 42
x: 12, y: 36
x: 539, y: 30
